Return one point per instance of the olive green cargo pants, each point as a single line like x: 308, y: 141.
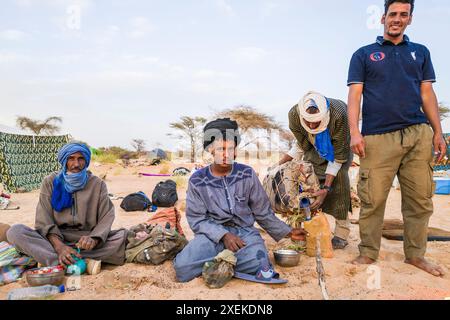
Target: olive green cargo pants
x: 408, y: 154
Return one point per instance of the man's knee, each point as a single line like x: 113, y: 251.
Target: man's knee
x: 181, y: 259
x: 3, y: 230
x: 16, y: 233
x: 183, y: 267
x: 185, y: 257
x: 252, y: 257
x: 187, y: 263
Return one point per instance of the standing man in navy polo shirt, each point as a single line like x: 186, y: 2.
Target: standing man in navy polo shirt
x: 395, y: 77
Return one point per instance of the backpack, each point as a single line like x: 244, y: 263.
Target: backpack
x: 136, y: 202
x: 165, y: 194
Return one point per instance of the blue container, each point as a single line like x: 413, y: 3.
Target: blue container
x: 442, y: 186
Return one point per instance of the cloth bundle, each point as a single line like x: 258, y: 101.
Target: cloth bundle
x: 219, y: 272
x: 287, y: 184
x: 12, y: 263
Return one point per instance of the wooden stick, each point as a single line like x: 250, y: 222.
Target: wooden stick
x: 321, y: 270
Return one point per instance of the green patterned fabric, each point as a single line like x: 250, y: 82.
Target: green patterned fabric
x: 26, y: 160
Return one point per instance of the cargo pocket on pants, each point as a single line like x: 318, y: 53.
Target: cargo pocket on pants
x: 363, y: 187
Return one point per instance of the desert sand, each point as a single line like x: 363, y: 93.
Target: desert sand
x: 399, y: 281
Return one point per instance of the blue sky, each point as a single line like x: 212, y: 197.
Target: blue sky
x: 117, y: 70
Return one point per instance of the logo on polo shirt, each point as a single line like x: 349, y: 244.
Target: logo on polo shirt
x: 413, y: 54
x: 377, y: 56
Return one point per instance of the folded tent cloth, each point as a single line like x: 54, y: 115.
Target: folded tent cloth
x: 12, y: 263
x: 64, y: 184
x: 7, y: 252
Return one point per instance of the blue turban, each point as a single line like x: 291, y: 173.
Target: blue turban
x: 65, y: 184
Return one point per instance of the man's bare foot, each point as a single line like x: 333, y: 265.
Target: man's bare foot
x: 426, y: 266
x: 363, y: 260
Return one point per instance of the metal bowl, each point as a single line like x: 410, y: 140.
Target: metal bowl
x: 36, y: 280
x: 286, y: 258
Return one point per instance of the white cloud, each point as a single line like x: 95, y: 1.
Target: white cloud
x: 225, y: 7
x: 12, y: 34
x: 141, y: 27
x: 212, y: 74
x: 84, y: 4
x: 23, y: 3
x: 212, y: 89
x: 250, y: 54
x: 9, y: 58
x: 140, y: 60
x: 107, y: 36
x: 70, y: 16
x: 268, y: 8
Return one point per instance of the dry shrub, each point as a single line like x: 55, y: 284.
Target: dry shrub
x: 181, y: 181
x: 105, y: 158
x: 165, y: 167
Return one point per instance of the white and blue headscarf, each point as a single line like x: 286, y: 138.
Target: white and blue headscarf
x: 323, y: 143
x: 66, y: 184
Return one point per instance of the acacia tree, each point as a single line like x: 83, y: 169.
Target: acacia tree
x: 191, y: 129
x: 47, y: 126
x: 138, y: 145
x: 288, y: 138
x: 250, y: 120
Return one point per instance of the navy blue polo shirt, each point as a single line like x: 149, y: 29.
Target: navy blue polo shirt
x: 392, y: 76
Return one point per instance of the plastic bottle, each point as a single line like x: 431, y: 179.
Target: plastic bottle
x: 79, y: 267
x: 305, y: 204
x: 35, y: 292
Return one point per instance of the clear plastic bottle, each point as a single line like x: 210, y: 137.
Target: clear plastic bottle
x: 35, y: 292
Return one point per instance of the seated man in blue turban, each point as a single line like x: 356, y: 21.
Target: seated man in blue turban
x: 224, y: 200
x: 74, y: 211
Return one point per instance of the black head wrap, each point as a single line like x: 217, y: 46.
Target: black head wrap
x: 225, y: 129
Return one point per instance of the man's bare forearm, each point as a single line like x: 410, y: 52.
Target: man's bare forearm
x: 55, y: 241
x: 431, y: 108
x: 329, y: 180
x: 354, y: 106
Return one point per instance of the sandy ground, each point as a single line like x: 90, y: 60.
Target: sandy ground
x: 344, y: 281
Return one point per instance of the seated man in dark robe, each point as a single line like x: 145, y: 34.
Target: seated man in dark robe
x: 74, y: 211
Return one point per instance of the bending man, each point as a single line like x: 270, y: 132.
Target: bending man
x: 321, y: 128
